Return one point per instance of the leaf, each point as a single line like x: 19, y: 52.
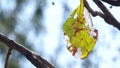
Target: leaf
x: 79, y: 29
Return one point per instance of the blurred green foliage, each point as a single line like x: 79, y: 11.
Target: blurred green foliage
x: 8, y: 23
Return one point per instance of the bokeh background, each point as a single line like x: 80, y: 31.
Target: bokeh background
x: 37, y: 24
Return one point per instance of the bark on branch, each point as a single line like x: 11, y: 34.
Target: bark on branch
x: 34, y: 58
x: 106, y: 15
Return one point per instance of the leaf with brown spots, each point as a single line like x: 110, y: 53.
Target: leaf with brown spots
x: 80, y: 32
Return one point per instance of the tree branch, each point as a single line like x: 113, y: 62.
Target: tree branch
x: 34, y: 58
x: 113, y: 2
x: 106, y: 15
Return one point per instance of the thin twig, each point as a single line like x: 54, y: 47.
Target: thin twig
x: 109, y: 17
x: 113, y: 2
x: 94, y: 13
x: 7, y: 57
x: 106, y: 15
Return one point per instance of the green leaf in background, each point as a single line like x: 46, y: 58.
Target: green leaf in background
x: 78, y: 28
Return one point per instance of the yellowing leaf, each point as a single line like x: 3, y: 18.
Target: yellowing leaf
x: 79, y: 29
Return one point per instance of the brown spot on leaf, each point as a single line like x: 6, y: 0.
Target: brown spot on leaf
x: 72, y: 49
x: 96, y: 31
